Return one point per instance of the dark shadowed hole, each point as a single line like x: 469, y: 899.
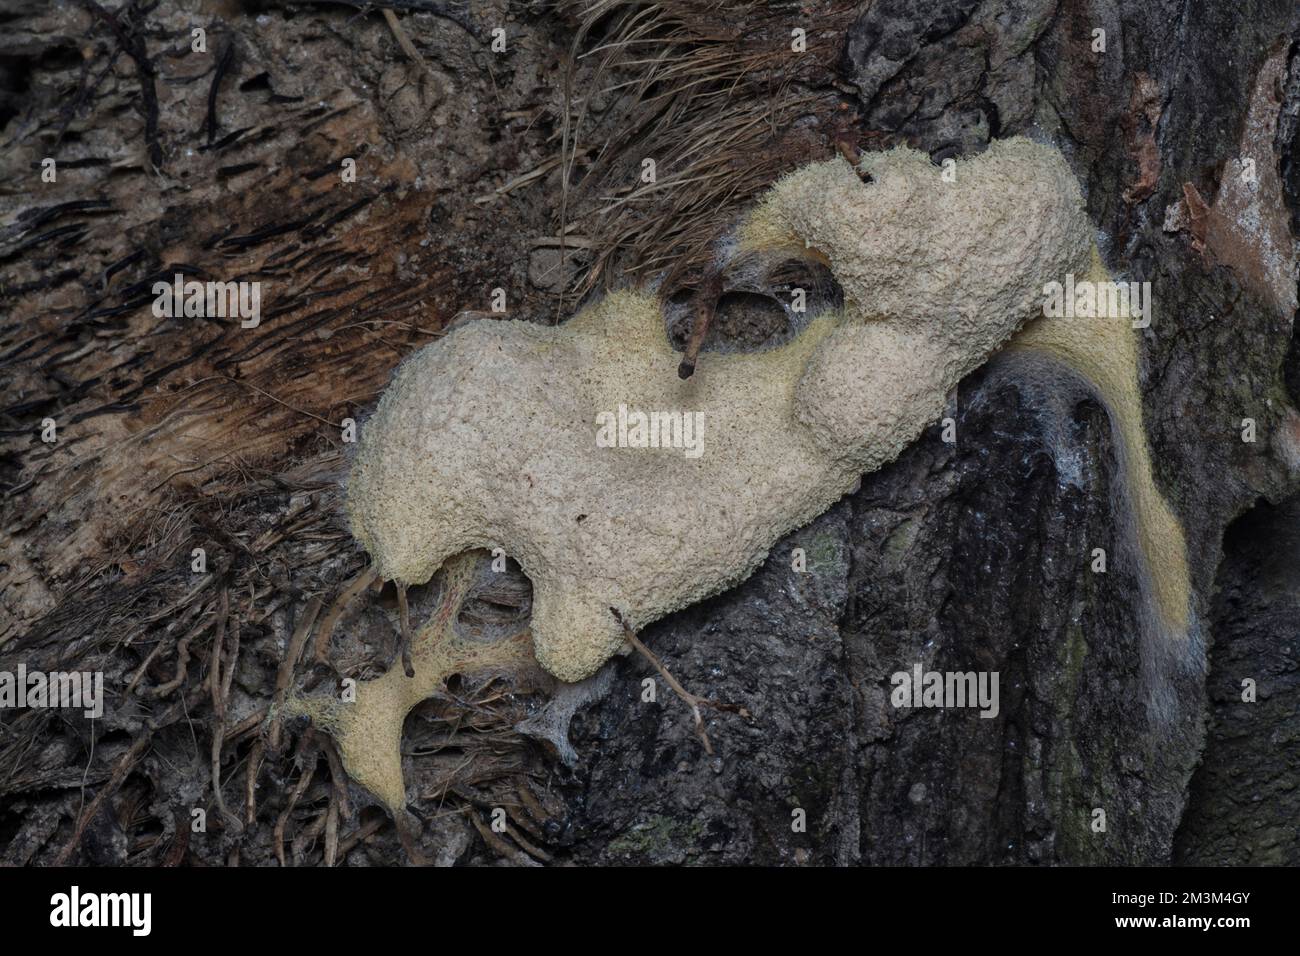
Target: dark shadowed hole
x: 499, y: 604
x: 758, y: 309
x: 261, y: 81
x: 1291, y: 367
x: 743, y: 321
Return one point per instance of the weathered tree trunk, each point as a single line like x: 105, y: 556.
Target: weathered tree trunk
x: 179, y: 433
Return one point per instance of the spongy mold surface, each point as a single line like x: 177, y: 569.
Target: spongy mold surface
x: 489, y: 437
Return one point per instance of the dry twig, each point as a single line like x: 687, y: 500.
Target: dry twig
x: 692, y: 700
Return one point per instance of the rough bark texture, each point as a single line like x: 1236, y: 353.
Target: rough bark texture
x: 175, y: 434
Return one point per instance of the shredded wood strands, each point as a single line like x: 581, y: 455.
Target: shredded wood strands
x: 716, y: 102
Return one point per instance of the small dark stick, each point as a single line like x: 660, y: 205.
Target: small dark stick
x: 844, y: 142
x: 706, y: 304
x: 404, y: 616
x: 848, y: 148
x: 408, y: 828
x: 692, y: 701
x: 223, y: 64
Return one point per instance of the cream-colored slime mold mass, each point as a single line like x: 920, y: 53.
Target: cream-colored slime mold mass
x: 487, y: 438
x: 369, y: 730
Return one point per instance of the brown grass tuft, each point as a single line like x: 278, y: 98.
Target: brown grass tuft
x: 715, y: 95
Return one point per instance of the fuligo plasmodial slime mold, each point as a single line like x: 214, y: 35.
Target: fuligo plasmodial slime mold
x: 488, y: 438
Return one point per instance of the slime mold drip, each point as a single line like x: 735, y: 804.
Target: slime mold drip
x: 369, y: 731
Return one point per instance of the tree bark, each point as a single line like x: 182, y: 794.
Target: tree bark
x: 176, y: 433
